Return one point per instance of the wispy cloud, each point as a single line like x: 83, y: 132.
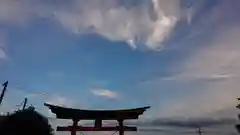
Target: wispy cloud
x: 189, y: 122
x: 2, y: 45
x: 198, y: 76
x: 214, y: 88
x: 115, y: 22
x: 144, y: 24
x: 2, y: 54
x: 208, y: 80
x: 105, y: 93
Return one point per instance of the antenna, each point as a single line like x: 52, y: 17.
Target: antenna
x: 3, y: 91
x: 25, y: 103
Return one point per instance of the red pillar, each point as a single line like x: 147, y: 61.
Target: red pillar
x: 75, y: 123
x: 121, y: 128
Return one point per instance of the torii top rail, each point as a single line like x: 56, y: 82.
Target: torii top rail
x: 98, y: 115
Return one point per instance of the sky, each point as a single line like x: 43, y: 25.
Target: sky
x: 180, y: 57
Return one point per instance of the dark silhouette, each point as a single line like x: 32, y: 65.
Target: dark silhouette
x: 98, y: 116
x: 3, y: 91
x: 238, y: 125
x: 25, y: 122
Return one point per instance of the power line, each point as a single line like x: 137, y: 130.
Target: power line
x: 18, y: 88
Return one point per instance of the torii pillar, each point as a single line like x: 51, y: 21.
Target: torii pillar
x: 74, y: 130
x: 121, y: 128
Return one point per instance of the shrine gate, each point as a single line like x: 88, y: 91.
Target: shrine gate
x: 98, y: 116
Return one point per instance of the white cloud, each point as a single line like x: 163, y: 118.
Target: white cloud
x: 104, y: 93
x: 132, y: 44
x: 135, y: 26
x: 2, y: 54
x: 147, y: 24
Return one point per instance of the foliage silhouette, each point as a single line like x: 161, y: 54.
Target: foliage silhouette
x: 25, y: 122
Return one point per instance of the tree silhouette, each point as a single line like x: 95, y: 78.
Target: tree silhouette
x: 25, y: 122
x: 238, y: 125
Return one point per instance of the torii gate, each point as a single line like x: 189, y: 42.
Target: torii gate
x: 98, y: 115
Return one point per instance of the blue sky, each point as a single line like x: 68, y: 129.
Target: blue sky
x: 178, y: 56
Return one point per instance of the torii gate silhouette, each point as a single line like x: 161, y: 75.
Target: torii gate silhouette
x: 98, y: 116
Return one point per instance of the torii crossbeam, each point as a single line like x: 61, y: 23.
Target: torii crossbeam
x: 98, y: 115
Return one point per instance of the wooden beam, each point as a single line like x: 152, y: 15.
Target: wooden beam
x: 80, y: 128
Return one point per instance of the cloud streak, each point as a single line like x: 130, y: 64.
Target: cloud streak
x: 194, y: 123
x: 2, y: 54
x: 104, y: 93
x: 2, y: 45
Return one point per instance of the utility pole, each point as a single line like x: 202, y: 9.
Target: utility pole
x: 25, y: 103
x: 238, y: 125
x: 3, y: 91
